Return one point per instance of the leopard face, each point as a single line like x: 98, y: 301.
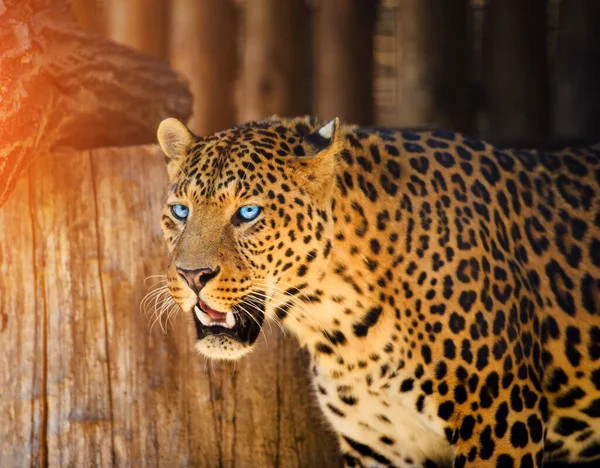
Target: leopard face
x: 248, y: 223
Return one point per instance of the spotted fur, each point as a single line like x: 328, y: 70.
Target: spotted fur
x: 448, y: 291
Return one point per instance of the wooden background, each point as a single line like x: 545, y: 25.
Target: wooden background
x: 517, y: 72
x: 84, y: 379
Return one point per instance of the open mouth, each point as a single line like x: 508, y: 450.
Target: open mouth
x: 242, y: 323
x: 212, y: 318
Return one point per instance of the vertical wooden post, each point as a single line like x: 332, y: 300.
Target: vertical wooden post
x: 277, y: 56
x: 140, y: 24
x: 433, y: 64
x: 203, y: 48
x: 576, y: 93
x: 90, y: 14
x: 22, y: 368
x: 515, y: 71
x: 344, y: 59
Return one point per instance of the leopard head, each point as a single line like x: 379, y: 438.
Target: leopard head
x: 248, y: 223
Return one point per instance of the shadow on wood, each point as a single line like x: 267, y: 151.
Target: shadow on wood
x: 83, y: 379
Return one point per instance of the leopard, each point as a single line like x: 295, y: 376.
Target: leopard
x: 447, y: 290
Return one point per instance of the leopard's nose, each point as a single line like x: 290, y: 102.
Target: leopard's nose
x: 197, y: 279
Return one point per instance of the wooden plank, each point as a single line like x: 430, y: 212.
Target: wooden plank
x: 433, y: 79
x: 344, y: 60
x: 90, y: 14
x: 139, y: 24
x: 21, y: 335
x: 265, y: 410
x: 78, y: 393
x: 149, y: 370
x: 576, y: 97
x: 515, y: 72
x: 203, y: 38
x: 276, y: 68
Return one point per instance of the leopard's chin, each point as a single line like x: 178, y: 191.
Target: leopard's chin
x: 229, y: 335
x: 222, y: 347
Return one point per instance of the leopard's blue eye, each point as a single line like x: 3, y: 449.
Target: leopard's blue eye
x: 181, y: 212
x: 248, y: 212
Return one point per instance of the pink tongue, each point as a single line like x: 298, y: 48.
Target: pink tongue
x: 213, y: 314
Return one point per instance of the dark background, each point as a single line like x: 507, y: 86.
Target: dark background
x: 517, y: 72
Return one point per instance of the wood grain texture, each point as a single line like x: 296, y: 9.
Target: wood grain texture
x: 515, y: 72
x: 139, y: 24
x: 203, y: 47
x: 78, y: 419
x: 432, y: 64
x: 277, y: 58
x: 575, y: 93
x: 85, y: 380
x: 65, y: 88
x: 344, y: 59
x: 21, y: 335
x: 90, y: 14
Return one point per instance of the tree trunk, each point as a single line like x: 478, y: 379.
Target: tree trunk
x: 62, y: 87
x: 433, y: 64
x: 140, y: 24
x: 576, y: 91
x: 203, y: 48
x: 344, y: 60
x: 515, y: 72
x: 276, y: 64
x: 86, y: 378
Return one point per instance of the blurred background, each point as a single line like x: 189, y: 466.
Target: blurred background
x: 517, y: 72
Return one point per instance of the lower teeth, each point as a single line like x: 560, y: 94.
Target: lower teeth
x: 207, y: 322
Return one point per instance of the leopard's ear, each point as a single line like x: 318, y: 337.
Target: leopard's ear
x: 324, y: 138
x: 321, y: 148
x: 174, y: 139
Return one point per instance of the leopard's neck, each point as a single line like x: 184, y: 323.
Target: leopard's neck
x: 354, y: 310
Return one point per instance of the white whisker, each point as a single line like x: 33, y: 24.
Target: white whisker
x: 283, y: 297
x: 158, y: 304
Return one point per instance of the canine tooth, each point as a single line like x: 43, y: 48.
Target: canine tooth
x: 202, y: 316
x: 230, y: 320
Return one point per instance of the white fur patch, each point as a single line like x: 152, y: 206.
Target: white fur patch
x: 221, y: 347
x: 327, y: 130
x: 418, y: 436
